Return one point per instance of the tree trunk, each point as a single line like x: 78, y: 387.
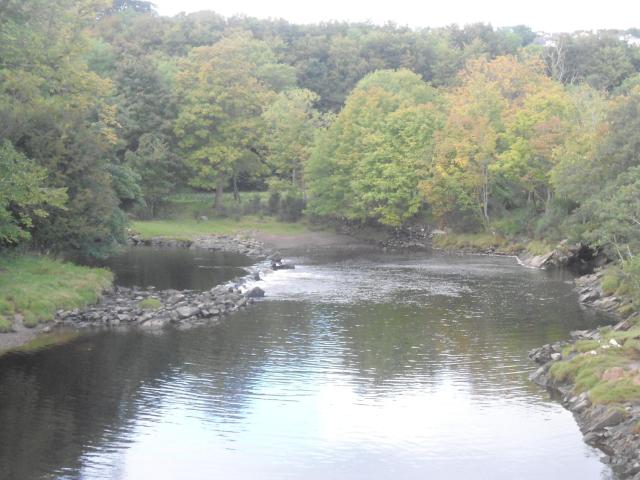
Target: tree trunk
x: 485, y: 194
x: 218, y: 202
x: 548, y: 202
x: 236, y: 194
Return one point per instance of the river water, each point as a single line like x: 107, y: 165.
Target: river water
x: 355, y: 366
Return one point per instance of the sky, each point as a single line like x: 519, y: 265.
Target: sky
x: 540, y: 15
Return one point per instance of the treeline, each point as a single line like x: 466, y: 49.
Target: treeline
x: 107, y: 108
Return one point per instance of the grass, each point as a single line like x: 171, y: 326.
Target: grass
x: 586, y: 370
x: 36, y: 286
x: 187, y: 228
x: 150, y: 304
x: 5, y: 324
x: 610, y: 282
x: 539, y: 247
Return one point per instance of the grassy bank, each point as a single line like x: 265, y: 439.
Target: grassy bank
x: 185, y: 228
x: 488, y: 242
x: 606, y: 368
x: 36, y: 286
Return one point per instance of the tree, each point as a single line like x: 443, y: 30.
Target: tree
x: 56, y: 111
x: 291, y: 124
x: 23, y: 195
x: 223, y: 98
x: 505, y: 118
x: 368, y: 164
x: 155, y: 164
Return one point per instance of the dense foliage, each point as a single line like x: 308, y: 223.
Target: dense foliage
x: 108, y: 109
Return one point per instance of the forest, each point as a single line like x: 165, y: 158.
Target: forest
x: 108, y: 109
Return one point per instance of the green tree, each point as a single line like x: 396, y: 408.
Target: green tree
x: 223, y: 99
x: 57, y: 112
x: 291, y: 123
x: 155, y: 166
x: 368, y: 164
x: 23, y: 195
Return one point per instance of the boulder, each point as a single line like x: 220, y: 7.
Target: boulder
x: 255, y: 292
x: 186, y: 312
x: 608, y: 418
x: 613, y: 374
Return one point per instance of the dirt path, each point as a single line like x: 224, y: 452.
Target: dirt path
x: 304, y: 241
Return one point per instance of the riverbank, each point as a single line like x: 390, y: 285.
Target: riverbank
x: 33, y: 288
x: 596, y: 375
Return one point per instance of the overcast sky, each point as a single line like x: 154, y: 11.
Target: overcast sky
x: 545, y: 15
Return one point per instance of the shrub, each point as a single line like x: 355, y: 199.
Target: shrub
x: 610, y: 283
x: 274, y: 203
x: 254, y: 206
x: 291, y: 207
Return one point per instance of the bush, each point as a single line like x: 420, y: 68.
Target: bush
x: 254, y: 206
x: 274, y: 203
x: 610, y: 282
x: 291, y: 207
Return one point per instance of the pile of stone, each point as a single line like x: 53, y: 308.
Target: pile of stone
x: 150, y: 309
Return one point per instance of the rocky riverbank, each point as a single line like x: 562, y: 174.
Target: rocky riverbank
x: 151, y: 309
x: 613, y: 427
x: 225, y: 243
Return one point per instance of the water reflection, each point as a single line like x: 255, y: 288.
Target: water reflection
x: 352, y: 368
x: 176, y: 268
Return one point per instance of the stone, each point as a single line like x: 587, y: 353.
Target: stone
x: 609, y: 418
x: 186, y: 312
x: 284, y: 266
x: 581, y: 406
x: 613, y: 374
x: 255, y: 292
x: 589, y: 296
x: 622, y: 326
x: 556, y: 356
x: 591, y: 438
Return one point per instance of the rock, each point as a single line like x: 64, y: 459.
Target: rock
x: 613, y: 374
x: 539, y: 376
x: 539, y: 261
x: 581, y: 406
x: 543, y: 354
x: 609, y: 418
x: 256, y: 276
x: 284, y: 266
x: 591, y: 438
x: 255, y: 292
x: 622, y: 326
x: 186, y: 312
x: 607, y: 303
x: 275, y: 257
x: 556, y: 356
x: 590, y: 295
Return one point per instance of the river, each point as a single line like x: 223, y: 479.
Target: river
x: 355, y: 366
